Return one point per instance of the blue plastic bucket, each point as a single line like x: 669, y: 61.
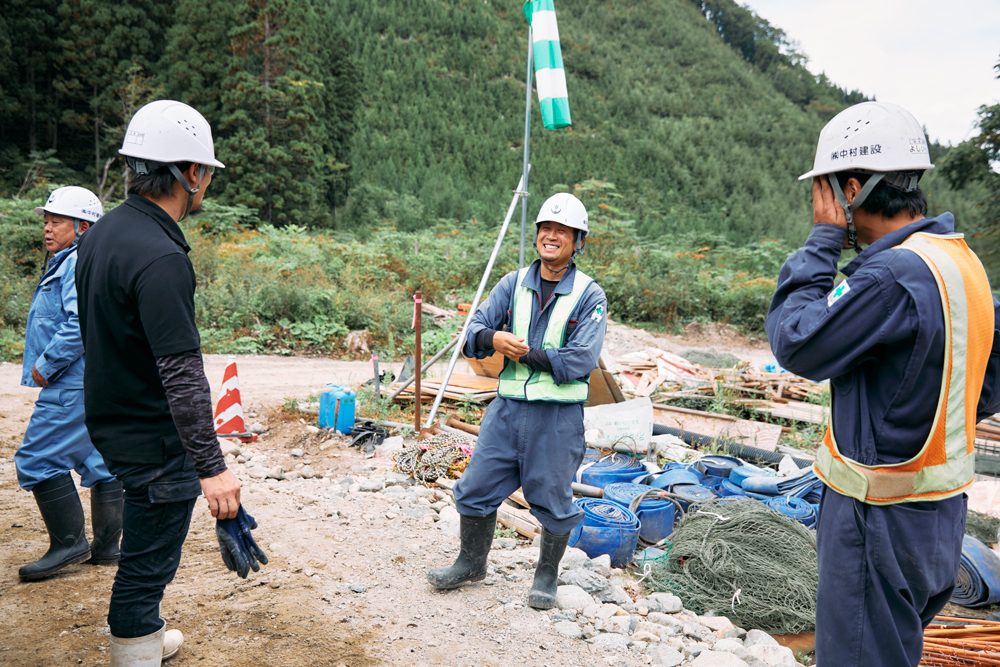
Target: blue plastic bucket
x: 600, y: 471
x: 336, y: 408
x: 691, y: 493
x: 656, y: 515
x: 607, y: 528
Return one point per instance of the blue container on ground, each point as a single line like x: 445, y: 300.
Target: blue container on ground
x: 600, y: 471
x: 607, y: 528
x: 656, y: 515
x: 336, y: 408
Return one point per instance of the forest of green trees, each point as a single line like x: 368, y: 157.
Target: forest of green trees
x: 339, y: 117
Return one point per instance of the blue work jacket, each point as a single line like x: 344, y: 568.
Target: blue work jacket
x: 585, y: 333
x: 52, y: 342
x: 879, y: 336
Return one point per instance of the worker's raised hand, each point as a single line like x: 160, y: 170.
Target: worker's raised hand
x: 509, y: 345
x: 826, y: 208
x: 37, y: 377
x: 239, y: 550
x: 223, y: 494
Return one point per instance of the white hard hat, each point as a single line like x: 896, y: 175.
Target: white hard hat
x: 73, y: 202
x: 566, y: 209
x: 167, y: 131
x: 871, y: 136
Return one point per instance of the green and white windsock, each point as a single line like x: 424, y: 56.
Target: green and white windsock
x: 550, y: 76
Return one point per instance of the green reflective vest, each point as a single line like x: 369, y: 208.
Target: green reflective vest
x: 520, y: 382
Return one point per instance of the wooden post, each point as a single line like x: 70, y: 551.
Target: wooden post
x: 417, y: 303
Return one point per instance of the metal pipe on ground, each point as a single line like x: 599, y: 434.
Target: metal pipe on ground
x: 746, y: 452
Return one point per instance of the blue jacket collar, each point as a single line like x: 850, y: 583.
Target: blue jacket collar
x: 533, y: 279
x: 943, y: 224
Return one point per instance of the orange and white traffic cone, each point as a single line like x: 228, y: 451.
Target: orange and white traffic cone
x: 229, y: 411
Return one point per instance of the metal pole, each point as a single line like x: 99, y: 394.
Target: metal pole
x: 527, y: 138
x: 427, y: 366
x: 417, y: 312
x: 378, y: 382
x: 475, y: 302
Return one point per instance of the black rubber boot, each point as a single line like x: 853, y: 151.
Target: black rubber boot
x: 543, y: 588
x: 477, y: 537
x: 106, y: 507
x: 62, y: 512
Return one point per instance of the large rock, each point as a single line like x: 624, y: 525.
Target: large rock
x: 717, y: 659
x: 666, y: 603
x: 229, y: 447
x: 574, y: 558
x: 664, y: 656
x: 715, y: 623
x: 611, y: 642
x: 773, y: 656
x: 759, y: 638
x: 372, y: 485
x: 734, y: 646
x: 615, y: 594
x: 666, y: 620
x: 568, y: 629
x: 586, y: 579
x: 573, y: 597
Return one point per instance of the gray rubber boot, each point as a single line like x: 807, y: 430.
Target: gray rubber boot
x: 138, y: 652
x: 62, y: 513
x: 545, y: 585
x: 106, y: 508
x: 477, y: 537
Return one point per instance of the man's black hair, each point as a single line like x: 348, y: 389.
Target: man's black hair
x: 158, y: 184
x: 886, y: 200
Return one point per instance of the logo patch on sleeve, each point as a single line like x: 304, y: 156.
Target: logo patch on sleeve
x: 838, y: 291
x: 598, y: 314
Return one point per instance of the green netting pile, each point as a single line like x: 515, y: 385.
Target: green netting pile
x: 745, y: 561
x: 981, y: 526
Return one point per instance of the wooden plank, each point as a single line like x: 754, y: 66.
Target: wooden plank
x: 756, y: 434
x: 603, y: 389
x: 520, y: 520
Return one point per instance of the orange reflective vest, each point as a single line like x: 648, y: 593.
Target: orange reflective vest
x: 945, y: 465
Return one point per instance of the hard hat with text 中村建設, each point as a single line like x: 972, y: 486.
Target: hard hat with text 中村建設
x: 167, y: 131
x: 565, y: 209
x: 74, y: 202
x: 872, y: 137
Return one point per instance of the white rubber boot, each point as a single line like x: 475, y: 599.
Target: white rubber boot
x: 138, y: 652
x: 172, y: 641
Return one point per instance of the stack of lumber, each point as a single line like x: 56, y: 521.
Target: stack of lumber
x: 460, y: 387
x: 779, y: 394
x: 950, y: 642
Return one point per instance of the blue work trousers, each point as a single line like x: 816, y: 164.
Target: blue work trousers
x: 884, y: 572
x: 56, y: 442
x: 159, y: 501
x: 535, y: 445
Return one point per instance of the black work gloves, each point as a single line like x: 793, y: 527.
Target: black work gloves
x: 239, y: 551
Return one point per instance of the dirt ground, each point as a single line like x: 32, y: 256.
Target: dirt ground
x: 299, y: 609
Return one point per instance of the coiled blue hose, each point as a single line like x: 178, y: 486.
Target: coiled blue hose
x: 718, y: 466
x: 794, y: 508
x: 691, y: 493
x: 606, y: 470
x: 978, y: 582
x: 656, y: 515
x: 607, y: 528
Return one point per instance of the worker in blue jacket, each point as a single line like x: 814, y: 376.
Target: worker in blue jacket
x: 56, y: 440
x: 908, y: 341
x: 549, y: 321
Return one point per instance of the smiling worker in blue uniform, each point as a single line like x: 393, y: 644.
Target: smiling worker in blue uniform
x: 549, y: 321
x: 56, y: 440
x: 908, y: 341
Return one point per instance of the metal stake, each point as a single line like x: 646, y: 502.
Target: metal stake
x: 417, y: 312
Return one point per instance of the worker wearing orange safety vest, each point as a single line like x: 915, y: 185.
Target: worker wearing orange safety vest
x: 907, y: 340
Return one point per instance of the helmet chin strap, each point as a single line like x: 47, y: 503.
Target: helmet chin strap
x: 850, y: 207
x: 184, y: 184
